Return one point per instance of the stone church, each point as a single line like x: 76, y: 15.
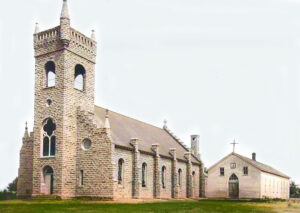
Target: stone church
x: 77, y: 149
x: 237, y: 176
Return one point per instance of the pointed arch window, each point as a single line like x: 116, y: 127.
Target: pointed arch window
x: 120, y: 171
x: 79, y: 78
x: 233, y: 177
x: 163, y: 177
x: 179, y: 176
x: 144, y: 175
x: 49, y: 139
x: 193, y: 178
x: 50, y: 74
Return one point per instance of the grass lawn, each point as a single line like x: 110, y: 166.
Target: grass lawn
x: 199, y: 206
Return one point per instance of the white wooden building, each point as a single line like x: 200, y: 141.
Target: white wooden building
x: 236, y: 176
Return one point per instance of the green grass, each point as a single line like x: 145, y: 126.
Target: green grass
x: 190, y: 206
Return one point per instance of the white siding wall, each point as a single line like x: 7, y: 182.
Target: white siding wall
x: 273, y: 186
x: 249, y: 185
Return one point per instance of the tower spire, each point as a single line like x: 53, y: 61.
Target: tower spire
x: 65, y: 24
x: 65, y: 11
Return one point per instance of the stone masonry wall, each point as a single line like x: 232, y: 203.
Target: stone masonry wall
x: 182, y: 188
x: 24, y: 188
x: 65, y: 100
x: 196, y: 181
x: 148, y: 191
x: 123, y: 190
x: 95, y: 162
x: 167, y: 191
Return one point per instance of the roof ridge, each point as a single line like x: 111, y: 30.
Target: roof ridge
x: 252, y: 162
x: 180, y: 142
x: 126, y: 116
x: 175, y: 137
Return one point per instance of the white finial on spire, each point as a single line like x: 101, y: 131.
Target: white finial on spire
x: 93, y: 36
x: 65, y: 11
x: 37, y: 28
x: 107, y: 123
x: 26, y: 134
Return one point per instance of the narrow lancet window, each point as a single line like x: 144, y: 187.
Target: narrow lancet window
x: 120, y: 171
x: 179, y: 177
x: 144, y: 175
x: 81, y: 178
x: 163, y: 177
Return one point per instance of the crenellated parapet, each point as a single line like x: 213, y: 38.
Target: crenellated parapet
x: 50, y: 41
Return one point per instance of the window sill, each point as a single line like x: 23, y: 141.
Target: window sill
x: 121, y: 186
x: 47, y: 157
x: 45, y: 88
x: 79, y: 90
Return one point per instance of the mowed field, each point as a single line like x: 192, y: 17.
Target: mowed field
x: 209, y: 206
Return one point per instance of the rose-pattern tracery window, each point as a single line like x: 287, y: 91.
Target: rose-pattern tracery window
x: 49, y: 139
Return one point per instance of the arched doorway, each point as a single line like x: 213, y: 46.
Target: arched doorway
x: 233, y: 186
x: 48, y: 180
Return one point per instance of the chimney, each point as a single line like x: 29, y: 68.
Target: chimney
x: 195, y: 145
x: 254, y: 156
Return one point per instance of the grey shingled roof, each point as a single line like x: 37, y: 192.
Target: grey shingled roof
x: 260, y: 166
x: 124, y: 128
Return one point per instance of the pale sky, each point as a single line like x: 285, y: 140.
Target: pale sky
x: 221, y: 69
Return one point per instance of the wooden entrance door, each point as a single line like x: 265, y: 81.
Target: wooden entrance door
x: 234, y: 190
x: 233, y: 186
x: 49, y: 184
x: 48, y: 180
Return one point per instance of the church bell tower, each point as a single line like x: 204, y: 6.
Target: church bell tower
x: 64, y: 83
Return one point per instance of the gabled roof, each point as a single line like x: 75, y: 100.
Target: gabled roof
x: 124, y: 128
x: 260, y: 166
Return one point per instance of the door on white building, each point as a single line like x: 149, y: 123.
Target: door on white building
x: 233, y: 186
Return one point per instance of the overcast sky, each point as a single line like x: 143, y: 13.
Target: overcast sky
x: 223, y: 69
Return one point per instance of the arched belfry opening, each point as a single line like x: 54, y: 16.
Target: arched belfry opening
x: 48, y: 180
x: 50, y: 74
x: 79, y: 78
x: 233, y: 187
